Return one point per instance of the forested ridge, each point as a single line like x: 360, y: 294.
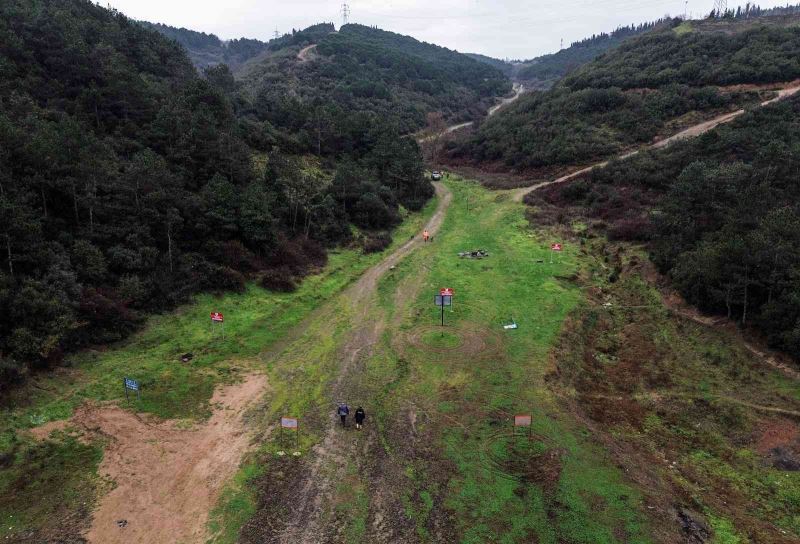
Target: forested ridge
x: 720, y: 214
x: 648, y: 87
x: 206, y: 50
x: 128, y: 181
x: 361, y: 74
x: 544, y: 71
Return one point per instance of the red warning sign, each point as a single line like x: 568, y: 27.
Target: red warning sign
x: 556, y: 247
x: 446, y: 292
x: 218, y: 317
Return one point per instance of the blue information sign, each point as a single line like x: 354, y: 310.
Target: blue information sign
x: 443, y: 300
x: 131, y: 384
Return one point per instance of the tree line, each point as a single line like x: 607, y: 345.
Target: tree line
x: 720, y: 214
x: 128, y: 182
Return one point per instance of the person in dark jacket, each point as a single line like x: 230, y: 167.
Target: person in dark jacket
x: 360, y: 415
x: 343, y: 411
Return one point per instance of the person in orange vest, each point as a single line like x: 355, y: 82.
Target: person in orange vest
x: 426, y: 235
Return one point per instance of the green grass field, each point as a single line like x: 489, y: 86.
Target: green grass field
x: 41, y: 482
x: 443, y: 399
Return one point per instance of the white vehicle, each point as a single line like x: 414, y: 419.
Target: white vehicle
x: 436, y: 175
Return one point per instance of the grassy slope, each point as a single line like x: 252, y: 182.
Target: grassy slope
x: 678, y: 400
x: 41, y: 482
x: 468, y: 466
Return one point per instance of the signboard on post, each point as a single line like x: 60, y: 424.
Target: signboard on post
x: 132, y: 385
x: 444, y: 298
x: 217, y: 317
x: 292, y: 424
x: 523, y: 420
x: 554, y: 248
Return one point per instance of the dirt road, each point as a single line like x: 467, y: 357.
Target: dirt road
x: 308, y: 523
x: 167, y: 478
x: 518, y: 91
x: 307, y: 53
x: 692, y: 132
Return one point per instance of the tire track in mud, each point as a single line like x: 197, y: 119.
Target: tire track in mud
x: 308, y: 520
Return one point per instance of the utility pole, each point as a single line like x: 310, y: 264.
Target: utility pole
x: 277, y: 35
x: 562, y: 43
x: 345, y: 14
x: 686, y: 11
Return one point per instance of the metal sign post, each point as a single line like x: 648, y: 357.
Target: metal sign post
x: 444, y: 298
x: 131, y: 385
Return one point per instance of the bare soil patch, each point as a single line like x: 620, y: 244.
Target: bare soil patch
x: 166, y: 478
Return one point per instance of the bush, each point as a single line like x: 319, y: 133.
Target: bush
x: 377, y: 242
x: 278, y: 279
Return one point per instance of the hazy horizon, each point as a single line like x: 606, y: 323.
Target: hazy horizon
x: 504, y: 29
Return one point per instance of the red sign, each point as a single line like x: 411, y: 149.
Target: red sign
x: 446, y: 292
x: 522, y: 421
x: 556, y: 247
x: 289, y: 423
x: 216, y: 316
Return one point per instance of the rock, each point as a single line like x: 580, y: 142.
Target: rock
x: 694, y: 527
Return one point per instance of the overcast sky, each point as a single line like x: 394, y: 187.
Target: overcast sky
x: 499, y: 28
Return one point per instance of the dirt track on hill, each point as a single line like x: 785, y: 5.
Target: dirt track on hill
x: 306, y: 54
x: 314, y: 495
x: 168, y: 478
x: 788, y: 90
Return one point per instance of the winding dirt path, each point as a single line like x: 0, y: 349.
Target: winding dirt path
x: 306, y: 54
x: 518, y: 91
x: 308, y: 523
x: 692, y: 132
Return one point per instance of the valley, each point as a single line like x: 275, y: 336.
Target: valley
x: 617, y: 226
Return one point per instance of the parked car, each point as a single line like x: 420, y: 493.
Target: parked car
x: 436, y: 175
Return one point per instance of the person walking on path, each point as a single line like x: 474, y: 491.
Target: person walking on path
x: 343, y: 411
x: 360, y: 415
x: 426, y: 235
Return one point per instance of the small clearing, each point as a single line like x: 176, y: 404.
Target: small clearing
x: 166, y: 478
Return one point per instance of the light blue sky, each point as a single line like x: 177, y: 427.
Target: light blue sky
x: 500, y: 28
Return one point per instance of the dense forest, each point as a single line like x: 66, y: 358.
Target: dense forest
x: 648, y: 86
x: 720, y: 214
x: 360, y: 75
x: 763, y: 54
x: 129, y: 182
x: 542, y: 72
x: 206, y: 50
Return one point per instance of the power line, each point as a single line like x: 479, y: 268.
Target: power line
x: 277, y: 35
x: 345, y: 14
x: 720, y: 7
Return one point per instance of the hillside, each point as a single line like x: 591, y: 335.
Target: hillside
x: 206, y: 50
x: 129, y: 183
x: 545, y: 71
x: 361, y: 74
x: 648, y: 87
x: 720, y: 216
